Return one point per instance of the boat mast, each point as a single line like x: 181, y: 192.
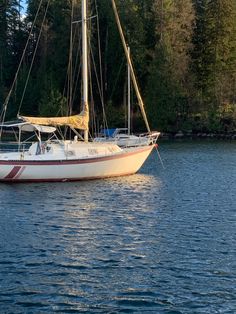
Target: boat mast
x: 85, y: 61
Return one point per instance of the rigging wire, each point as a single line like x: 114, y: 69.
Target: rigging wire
x: 70, y: 69
x: 72, y: 79
x: 92, y: 109
x: 117, y: 77
x: 100, y: 93
x: 99, y: 50
x: 99, y: 76
x: 6, y: 102
x: 140, y: 101
x: 159, y: 156
x: 77, y: 73
x: 32, y: 62
x: 71, y: 61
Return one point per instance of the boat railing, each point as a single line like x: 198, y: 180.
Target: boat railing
x: 11, y: 147
x: 152, y: 136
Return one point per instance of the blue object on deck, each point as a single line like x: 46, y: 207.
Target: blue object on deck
x: 108, y: 132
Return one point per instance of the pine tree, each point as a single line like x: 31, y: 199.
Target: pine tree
x: 214, y: 54
x: 9, y: 29
x: 49, y: 70
x: 168, y: 92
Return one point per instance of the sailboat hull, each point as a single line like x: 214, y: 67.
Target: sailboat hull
x: 127, y: 162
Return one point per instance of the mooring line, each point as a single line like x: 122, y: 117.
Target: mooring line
x: 158, y: 154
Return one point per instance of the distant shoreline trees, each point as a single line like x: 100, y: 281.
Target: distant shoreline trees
x: 184, y: 54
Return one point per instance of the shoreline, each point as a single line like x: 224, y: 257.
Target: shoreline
x: 196, y: 136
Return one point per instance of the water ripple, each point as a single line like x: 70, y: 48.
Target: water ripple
x: 156, y: 242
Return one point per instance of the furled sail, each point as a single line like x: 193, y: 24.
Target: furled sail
x: 79, y: 121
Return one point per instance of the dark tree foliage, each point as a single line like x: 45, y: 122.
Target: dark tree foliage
x: 169, y: 87
x: 51, y: 60
x: 214, y: 60
x: 184, y: 53
x: 214, y: 50
x: 10, y: 42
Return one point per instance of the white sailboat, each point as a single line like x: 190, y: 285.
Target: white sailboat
x: 122, y: 136
x: 69, y: 160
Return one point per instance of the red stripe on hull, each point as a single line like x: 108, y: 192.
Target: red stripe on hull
x: 20, y: 172
x: 13, y: 173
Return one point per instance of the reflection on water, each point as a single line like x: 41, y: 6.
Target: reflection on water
x: 157, y: 242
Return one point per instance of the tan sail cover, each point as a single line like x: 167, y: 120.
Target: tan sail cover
x: 79, y: 121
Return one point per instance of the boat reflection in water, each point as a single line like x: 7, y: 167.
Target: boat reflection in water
x: 122, y: 194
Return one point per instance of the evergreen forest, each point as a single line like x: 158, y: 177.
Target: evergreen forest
x: 183, y: 51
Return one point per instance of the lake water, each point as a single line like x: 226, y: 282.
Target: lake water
x: 161, y: 241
